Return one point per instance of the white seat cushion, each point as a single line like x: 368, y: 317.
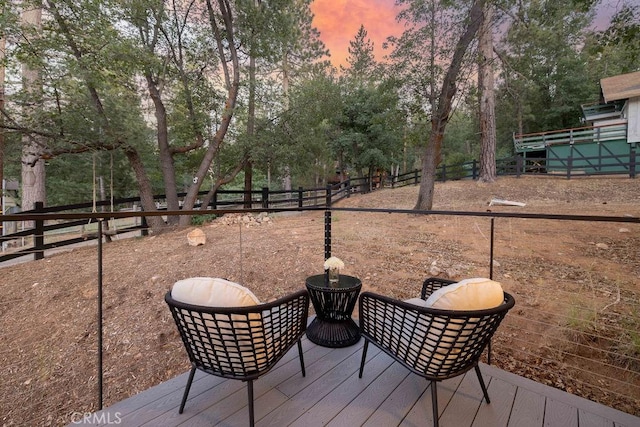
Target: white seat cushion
x: 239, y: 341
x: 469, y: 294
x: 444, y: 346
x: 212, y: 292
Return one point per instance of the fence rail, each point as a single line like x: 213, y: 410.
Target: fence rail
x: 34, y: 241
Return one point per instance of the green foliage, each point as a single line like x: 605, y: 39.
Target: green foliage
x: 545, y: 78
x: 202, y: 219
x: 70, y: 178
x: 455, y: 167
x: 616, y: 49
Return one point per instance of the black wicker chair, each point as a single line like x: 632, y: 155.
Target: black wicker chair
x: 240, y: 343
x: 435, y: 344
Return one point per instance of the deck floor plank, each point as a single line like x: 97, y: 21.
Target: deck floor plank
x: 332, y: 394
x: 502, y: 394
x: 344, y: 395
x: 528, y: 409
x: 560, y: 414
x: 464, y: 404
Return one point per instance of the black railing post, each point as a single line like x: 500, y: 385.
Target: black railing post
x: 300, y: 197
x: 474, y: 170
x: 214, y: 200
x: 327, y: 224
x: 100, y: 370
x: 632, y: 161
x: 491, y: 242
x: 570, y: 161
x: 265, y: 197
x: 348, y: 187
x: 492, y: 239
x: 415, y: 177
x: 327, y: 234
x: 38, y: 237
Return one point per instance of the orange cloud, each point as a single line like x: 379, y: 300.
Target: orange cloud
x: 339, y: 20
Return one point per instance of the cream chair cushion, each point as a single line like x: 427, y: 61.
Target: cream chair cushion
x: 240, y: 341
x: 212, y: 292
x: 444, y: 347
x: 469, y: 294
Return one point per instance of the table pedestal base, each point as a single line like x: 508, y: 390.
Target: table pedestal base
x: 333, y: 333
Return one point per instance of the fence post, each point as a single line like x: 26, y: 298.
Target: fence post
x: 632, y: 161
x: 327, y: 198
x: 38, y: 237
x: 300, y: 197
x: 444, y: 172
x: 214, y: 200
x: 570, y: 161
x: 415, y: 177
x: 519, y: 166
x: 265, y: 197
x: 474, y: 170
x: 145, y: 226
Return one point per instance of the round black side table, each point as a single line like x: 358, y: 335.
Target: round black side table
x: 333, y: 303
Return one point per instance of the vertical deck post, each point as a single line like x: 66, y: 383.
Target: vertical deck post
x: 100, y: 370
x: 491, y: 244
x: 327, y: 225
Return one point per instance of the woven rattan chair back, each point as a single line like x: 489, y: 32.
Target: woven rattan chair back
x: 435, y: 344
x: 240, y: 342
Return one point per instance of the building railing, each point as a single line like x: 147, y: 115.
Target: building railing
x: 541, y: 140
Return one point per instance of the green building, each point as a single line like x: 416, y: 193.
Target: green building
x: 608, y: 142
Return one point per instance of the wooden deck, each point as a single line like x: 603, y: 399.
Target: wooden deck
x: 331, y: 394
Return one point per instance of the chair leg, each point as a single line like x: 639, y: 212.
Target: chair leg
x: 301, y: 357
x: 250, y: 390
x: 364, y: 356
x: 186, y: 389
x: 434, y: 403
x: 484, y: 388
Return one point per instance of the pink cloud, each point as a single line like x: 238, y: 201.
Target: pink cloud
x: 339, y: 20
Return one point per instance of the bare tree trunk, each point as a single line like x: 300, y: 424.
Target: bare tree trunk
x: 166, y: 156
x: 146, y: 192
x: 251, y: 130
x: 33, y: 173
x: 2, y: 47
x: 487, y: 99
x: 286, y: 180
x: 224, y: 36
x: 432, y: 152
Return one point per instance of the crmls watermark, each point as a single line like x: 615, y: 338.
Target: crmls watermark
x: 106, y: 418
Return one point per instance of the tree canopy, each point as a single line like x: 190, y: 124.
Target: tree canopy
x: 170, y: 97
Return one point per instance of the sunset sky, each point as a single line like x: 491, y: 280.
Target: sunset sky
x: 339, y: 20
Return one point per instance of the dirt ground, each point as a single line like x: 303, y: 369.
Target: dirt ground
x: 48, y: 356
